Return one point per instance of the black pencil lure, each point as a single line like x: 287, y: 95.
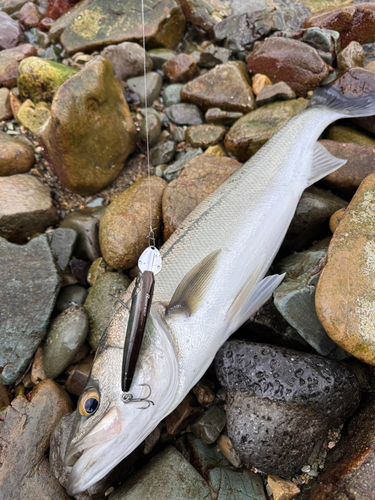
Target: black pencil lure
x: 149, y: 264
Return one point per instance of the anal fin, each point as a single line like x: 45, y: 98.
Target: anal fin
x: 323, y: 163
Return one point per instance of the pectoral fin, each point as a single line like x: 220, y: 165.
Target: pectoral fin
x: 190, y: 292
x: 323, y: 163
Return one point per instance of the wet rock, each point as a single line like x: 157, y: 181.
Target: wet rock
x: 335, y: 219
x: 174, y: 169
x: 281, y: 488
x: 281, y: 402
x: 56, y: 8
x: 171, y: 94
x: 289, y: 61
x: 38, y: 79
x: 163, y: 153
x: 226, y: 448
x: 33, y: 116
x: 258, y: 83
x: 85, y: 223
x: 227, y: 86
x: 73, y: 295
x: 66, y: 335
x: 205, y: 14
x: 5, y: 108
x: 127, y: 59
x: 217, y: 150
x: 77, y: 379
x: 199, y: 178
x: 25, y: 436
x: 181, y: 68
x: 204, y: 135
x: 79, y: 269
x: 345, y: 293
x: 360, y: 163
x: 351, y: 57
x: 168, y: 475
x: 204, y: 393
x: 101, y: 24
x: 87, y: 159
x: 353, y: 22
x: 11, y: 33
x: 182, y: 416
x: 254, y: 129
x: 29, y: 278
x: 29, y: 15
x: 97, y: 269
x: 62, y: 242
x: 344, y: 133
x: 209, y: 426
x: 212, y: 55
x: 217, y: 116
x: 184, y: 114
x: 150, y: 130
x: 11, y: 6
x: 160, y: 57
x: 57, y: 28
x: 16, y: 156
x: 153, y: 87
x: 278, y: 92
x: 25, y: 207
x: 295, y: 298
x: 349, y: 468
x: 100, y: 303
x: 125, y: 226
x: 37, y: 371
x: 311, y: 218
x: 9, y: 62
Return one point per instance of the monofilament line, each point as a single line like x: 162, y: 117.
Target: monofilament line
x: 151, y: 236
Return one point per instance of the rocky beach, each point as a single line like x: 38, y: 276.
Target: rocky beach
x: 286, y: 410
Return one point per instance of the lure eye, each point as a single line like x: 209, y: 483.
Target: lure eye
x: 88, y: 402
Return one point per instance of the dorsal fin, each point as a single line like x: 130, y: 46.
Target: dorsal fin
x: 193, y: 287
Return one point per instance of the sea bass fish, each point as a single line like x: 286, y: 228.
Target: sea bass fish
x: 212, y: 281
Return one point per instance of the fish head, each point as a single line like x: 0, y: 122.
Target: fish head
x: 108, y: 424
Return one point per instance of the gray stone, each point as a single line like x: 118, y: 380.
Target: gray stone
x: 62, y: 242
x: 218, y: 116
x: 278, y: 92
x: 281, y: 402
x: 29, y: 287
x: 73, y: 295
x: 209, y: 426
x: 127, y: 59
x: 213, y: 55
x: 160, y: 56
x: 167, y: 476
x: 184, y: 114
x: 171, y: 94
x: 150, y: 130
x: 11, y: 33
x: 25, y: 207
x: 163, y: 153
x: 65, y: 338
x: 174, y: 169
x: 153, y: 87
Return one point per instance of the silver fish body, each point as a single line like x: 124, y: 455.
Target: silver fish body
x: 211, y: 282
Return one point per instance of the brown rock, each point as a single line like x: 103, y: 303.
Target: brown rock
x: 29, y: 15
x: 204, y: 393
x: 182, y: 416
x: 5, y: 396
x: 282, y: 489
x: 351, y: 57
x: 225, y: 446
x: 370, y: 66
x: 125, y: 226
x: 77, y: 380
x: 336, y: 218
x: 9, y: 62
x: 37, y: 372
x: 204, y: 135
x: 271, y: 93
x: 345, y: 293
x: 345, y: 134
x: 199, y: 177
x: 227, y: 86
x: 11, y: 33
x: 25, y: 436
x: 16, y: 157
x: 289, y: 61
x: 350, y: 469
x: 56, y: 8
x: 5, y: 109
x: 205, y: 14
x: 353, y: 22
x: 258, y: 82
x: 15, y: 103
x: 181, y: 69
x: 361, y: 162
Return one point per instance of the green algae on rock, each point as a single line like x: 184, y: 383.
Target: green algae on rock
x: 104, y: 23
x: 33, y: 116
x: 90, y: 132
x: 38, y: 79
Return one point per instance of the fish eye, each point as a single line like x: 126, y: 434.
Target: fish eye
x: 89, y: 402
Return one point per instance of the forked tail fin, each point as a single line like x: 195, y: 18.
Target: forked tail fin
x: 350, y: 105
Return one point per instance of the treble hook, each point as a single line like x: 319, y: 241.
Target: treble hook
x: 127, y: 397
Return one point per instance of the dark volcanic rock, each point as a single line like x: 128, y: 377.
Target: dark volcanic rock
x: 28, y: 290
x: 281, y: 402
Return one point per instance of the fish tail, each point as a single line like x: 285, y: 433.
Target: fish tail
x: 347, y: 104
